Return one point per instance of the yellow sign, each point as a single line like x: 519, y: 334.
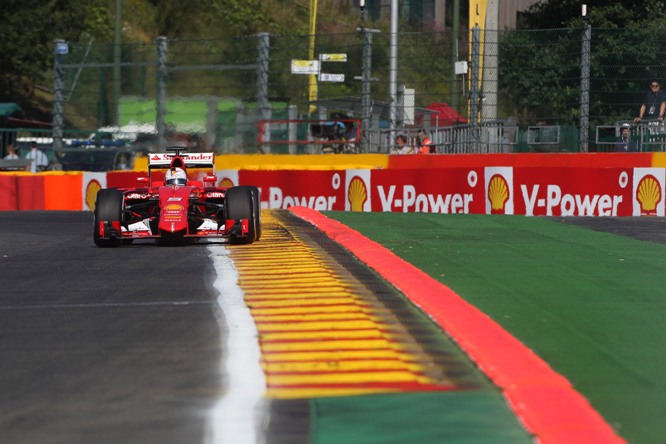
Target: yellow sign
x: 305, y: 66
x: 477, y: 13
x: 477, y: 18
x: 333, y: 57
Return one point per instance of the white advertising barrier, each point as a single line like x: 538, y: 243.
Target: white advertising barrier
x: 357, y: 190
x: 227, y: 178
x: 498, y: 183
x: 648, y: 191
x: 92, y: 183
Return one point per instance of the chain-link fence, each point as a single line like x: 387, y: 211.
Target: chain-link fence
x: 240, y: 95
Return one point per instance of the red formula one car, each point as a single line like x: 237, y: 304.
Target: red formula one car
x: 178, y: 201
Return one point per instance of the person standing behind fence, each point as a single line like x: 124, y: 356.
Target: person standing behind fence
x: 654, y: 105
x: 38, y: 158
x: 625, y: 144
x: 425, y: 144
x: 401, y: 146
x: 11, y: 152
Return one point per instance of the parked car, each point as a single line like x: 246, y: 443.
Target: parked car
x: 83, y: 157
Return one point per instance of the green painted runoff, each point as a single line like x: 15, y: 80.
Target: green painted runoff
x: 591, y: 304
x: 464, y: 417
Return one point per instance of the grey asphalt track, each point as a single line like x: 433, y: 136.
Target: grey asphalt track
x: 652, y: 229
x: 105, y: 352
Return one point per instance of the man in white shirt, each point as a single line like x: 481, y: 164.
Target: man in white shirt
x: 401, y: 146
x: 39, y: 159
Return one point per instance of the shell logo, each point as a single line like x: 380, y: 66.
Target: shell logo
x: 648, y: 194
x: 226, y: 182
x: 498, y: 194
x: 174, y: 207
x: 357, y: 194
x: 91, y: 193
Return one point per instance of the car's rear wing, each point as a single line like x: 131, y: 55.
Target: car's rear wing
x: 191, y: 160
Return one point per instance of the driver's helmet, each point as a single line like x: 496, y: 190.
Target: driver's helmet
x: 175, y: 176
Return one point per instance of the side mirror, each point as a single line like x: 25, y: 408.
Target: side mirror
x: 142, y: 180
x: 211, y: 180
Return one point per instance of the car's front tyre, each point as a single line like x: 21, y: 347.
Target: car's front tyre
x: 108, y: 212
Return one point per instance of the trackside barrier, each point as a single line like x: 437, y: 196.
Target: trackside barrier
x: 587, y: 184
x: 46, y: 191
x: 123, y: 179
x: 30, y: 192
x: 8, y: 196
x: 63, y: 192
x: 296, y: 162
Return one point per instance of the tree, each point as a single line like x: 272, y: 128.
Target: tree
x: 540, y: 68
x: 29, y: 30
x: 550, y: 14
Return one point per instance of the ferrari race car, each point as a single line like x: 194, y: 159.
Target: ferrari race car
x: 178, y: 201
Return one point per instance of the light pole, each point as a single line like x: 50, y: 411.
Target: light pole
x: 312, y: 78
x: 454, y: 54
x: 116, y: 63
x: 393, y: 74
x: 585, y: 82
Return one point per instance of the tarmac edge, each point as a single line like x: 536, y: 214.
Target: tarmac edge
x: 543, y: 400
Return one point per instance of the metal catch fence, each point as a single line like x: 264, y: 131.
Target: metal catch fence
x: 523, y: 90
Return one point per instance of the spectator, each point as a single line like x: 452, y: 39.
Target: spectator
x: 654, y: 105
x: 401, y: 146
x: 123, y: 164
x: 350, y: 138
x: 11, y: 152
x: 624, y: 143
x: 425, y: 144
x: 12, y: 155
x: 334, y: 132
x: 39, y: 159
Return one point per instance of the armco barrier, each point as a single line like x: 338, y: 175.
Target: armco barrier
x: 30, y: 192
x: 599, y: 184
x: 659, y: 160
x: 8, y: 194
x: 44, y: 191
x: 63, y: 192
x: 121, y: 179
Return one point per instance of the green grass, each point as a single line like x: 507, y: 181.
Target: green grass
x: 591, y: 304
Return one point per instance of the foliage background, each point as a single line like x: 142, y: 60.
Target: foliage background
x: 539, y: 65
x: 31, y: 26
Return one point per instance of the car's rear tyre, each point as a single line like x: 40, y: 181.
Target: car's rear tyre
x: 238, y: 205
x: 108, y: 208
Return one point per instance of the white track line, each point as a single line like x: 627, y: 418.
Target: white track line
x: 239, y: 415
